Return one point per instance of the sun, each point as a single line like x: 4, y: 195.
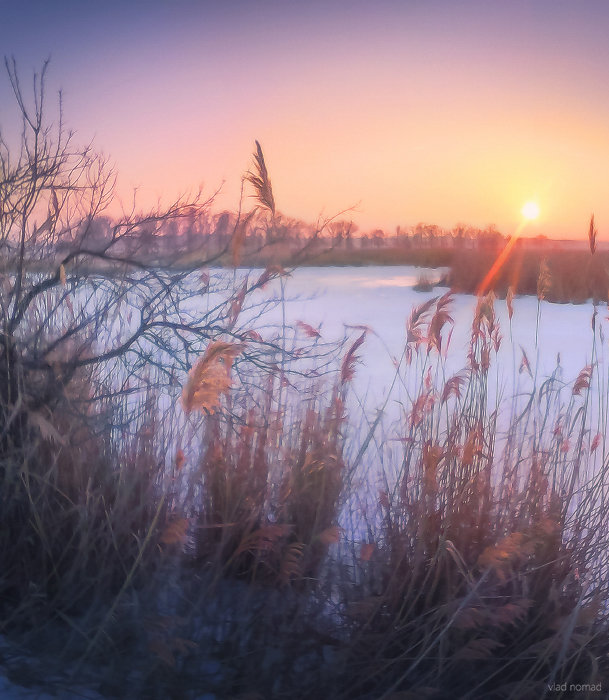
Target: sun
x: 530, y: 210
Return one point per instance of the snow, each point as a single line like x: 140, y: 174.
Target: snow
x: 382, y: 298
x: 558, y: 340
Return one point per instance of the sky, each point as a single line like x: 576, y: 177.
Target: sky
x: 393, y: 112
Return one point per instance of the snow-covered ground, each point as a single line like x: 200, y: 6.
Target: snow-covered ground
x: 383, y: 297
x: 558, y: 340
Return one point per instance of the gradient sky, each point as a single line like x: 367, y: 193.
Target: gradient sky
x: 437, y: 111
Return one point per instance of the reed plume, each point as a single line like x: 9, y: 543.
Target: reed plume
x: 592, y: 233
x: 210, y: 378
x: 261, y: 181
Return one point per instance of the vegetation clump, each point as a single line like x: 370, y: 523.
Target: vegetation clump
x: 187, y: 508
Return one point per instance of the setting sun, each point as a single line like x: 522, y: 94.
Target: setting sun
x: 530, y: 210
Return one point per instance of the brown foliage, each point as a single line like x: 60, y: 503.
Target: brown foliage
x: 583, y: 380
x: 261, y: 181
x: 210, y: 377
x: 347, y: 370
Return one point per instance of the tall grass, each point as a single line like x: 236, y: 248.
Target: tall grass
x: 491, y: 584
x: 233, y: 548
x: 574, y: 276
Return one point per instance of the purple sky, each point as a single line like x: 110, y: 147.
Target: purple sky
x: 409, y: 111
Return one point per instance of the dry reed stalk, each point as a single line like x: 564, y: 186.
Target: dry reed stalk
x: 543, y: 280
x: 238, y: 238
x: 261, y: 181
x: 592, y: 233
x: 438, y: 321
x: 210, y: 377
x: 509, y: 300
x: 347, y: 370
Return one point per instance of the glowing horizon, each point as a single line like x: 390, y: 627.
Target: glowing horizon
x: 406, y: 113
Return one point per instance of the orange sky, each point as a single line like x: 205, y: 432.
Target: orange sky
x: 413, y: 111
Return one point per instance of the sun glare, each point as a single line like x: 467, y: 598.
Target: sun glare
x: 530, y: 210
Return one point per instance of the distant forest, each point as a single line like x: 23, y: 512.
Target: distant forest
x: 283, y: 236
x: 571, y: 273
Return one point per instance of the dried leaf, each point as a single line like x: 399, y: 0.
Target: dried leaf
x: 592, y: 232
x: 525, y: 365
x: 270, y: 273
x: 416, y: 320
x: 46, y: 225
x: 253, y: 335
x: 421, y: 407
x: 236, y: 305
x: 439, y: 319
x: 54, y: 206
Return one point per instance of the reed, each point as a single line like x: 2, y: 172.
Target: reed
x: 237, y: 563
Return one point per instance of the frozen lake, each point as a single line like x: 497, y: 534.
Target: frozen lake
x: 382, y: 298
x: 558, y: 340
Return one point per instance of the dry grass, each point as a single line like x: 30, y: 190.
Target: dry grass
x: 570, y: 276
x: 241, y: 542
x: 484, y: 580
x: 481, y: 573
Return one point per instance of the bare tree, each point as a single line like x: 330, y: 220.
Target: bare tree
x: 83, y: 294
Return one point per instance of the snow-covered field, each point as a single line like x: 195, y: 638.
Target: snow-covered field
x: 337, y: 300
x: 383, y: 297
x: 558, y: 340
